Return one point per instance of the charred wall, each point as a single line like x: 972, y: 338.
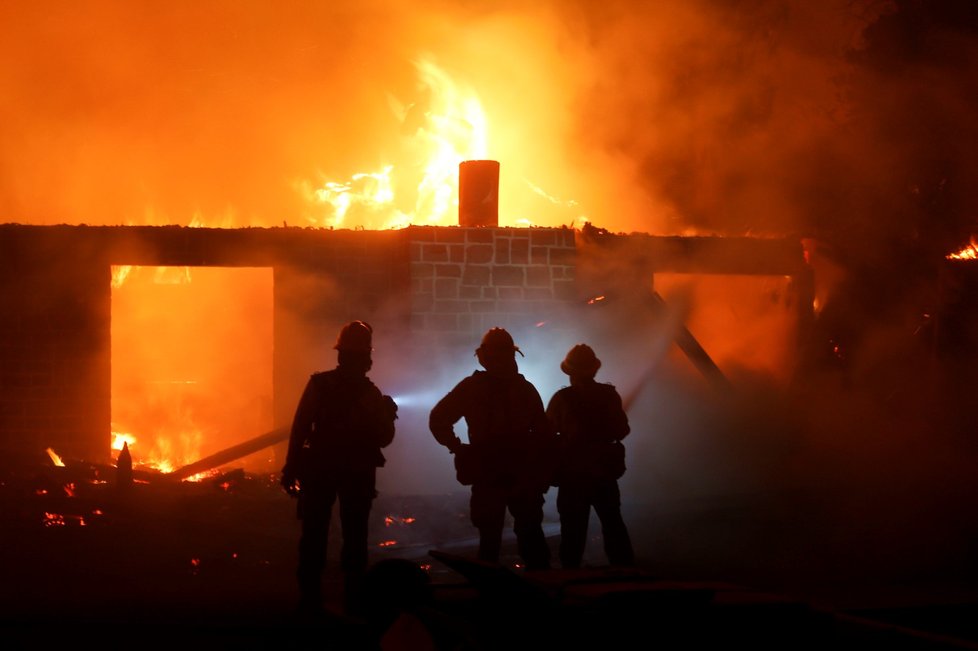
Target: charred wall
x: 54, y: 343
x: 55, y: 312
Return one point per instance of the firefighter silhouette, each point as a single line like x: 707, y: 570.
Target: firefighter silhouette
x: 508, y: 456
x: 590, y: 423
x: 341, y: 423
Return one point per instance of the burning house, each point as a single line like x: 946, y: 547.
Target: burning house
x: 754, y: 212
x: 433, y: 289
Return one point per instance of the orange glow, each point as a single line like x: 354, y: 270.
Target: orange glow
x: 55, y: 458
x: 201, y: 476
x: 59, y: 520
x: 119, y: 439
x: 387, y: 543
x: 743, y: 322
x: 191, y: 362
x: 423, y: 187
x: 969, y: 252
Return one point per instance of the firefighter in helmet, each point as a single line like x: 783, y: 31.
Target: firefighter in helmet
x: 590, y: 423
x: 341, y: 423
x: 506, y: 459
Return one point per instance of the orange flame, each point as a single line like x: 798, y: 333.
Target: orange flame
x: 119, y: 439
x: 55, y: 458
x: 449, y: 127
x: 969, y: 252
x: 60, y: 520
x: 119, y: 275
x: 165, y: 372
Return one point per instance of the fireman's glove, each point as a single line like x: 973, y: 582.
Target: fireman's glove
x: 289, y: 481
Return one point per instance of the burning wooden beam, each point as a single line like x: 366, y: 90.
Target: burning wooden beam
x: 232, y: 453
x: 695, y: 352
x: 688, y: 344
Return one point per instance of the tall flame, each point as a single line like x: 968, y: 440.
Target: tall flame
x: 447, y: 126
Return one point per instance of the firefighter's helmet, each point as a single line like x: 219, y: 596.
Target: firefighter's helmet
x: 497, y: 340
x: 355, y: 336
x: 580, y: 361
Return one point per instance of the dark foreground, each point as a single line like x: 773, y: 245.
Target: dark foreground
x: 209, y: 565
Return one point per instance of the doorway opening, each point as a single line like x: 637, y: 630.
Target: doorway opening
x: 191, y: 363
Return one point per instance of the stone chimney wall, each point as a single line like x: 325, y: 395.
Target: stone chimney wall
x: 466, y: 280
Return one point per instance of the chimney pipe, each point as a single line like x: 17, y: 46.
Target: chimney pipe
x: 478, y: 193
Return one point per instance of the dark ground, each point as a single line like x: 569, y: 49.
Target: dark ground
x: 210, y: 565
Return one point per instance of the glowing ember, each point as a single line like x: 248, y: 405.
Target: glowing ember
x: 594, y: 300
x: 55, y: 458
x: 59, y: 520
x: 201, y: 476
x: 969, y: 252
x: 387, y: 543
x: 392, y: 519
x: 69, y: 489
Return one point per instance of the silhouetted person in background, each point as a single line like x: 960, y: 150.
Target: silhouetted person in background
x: 590, y: 423
x: 507, y: 459
x: 340, y: 425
